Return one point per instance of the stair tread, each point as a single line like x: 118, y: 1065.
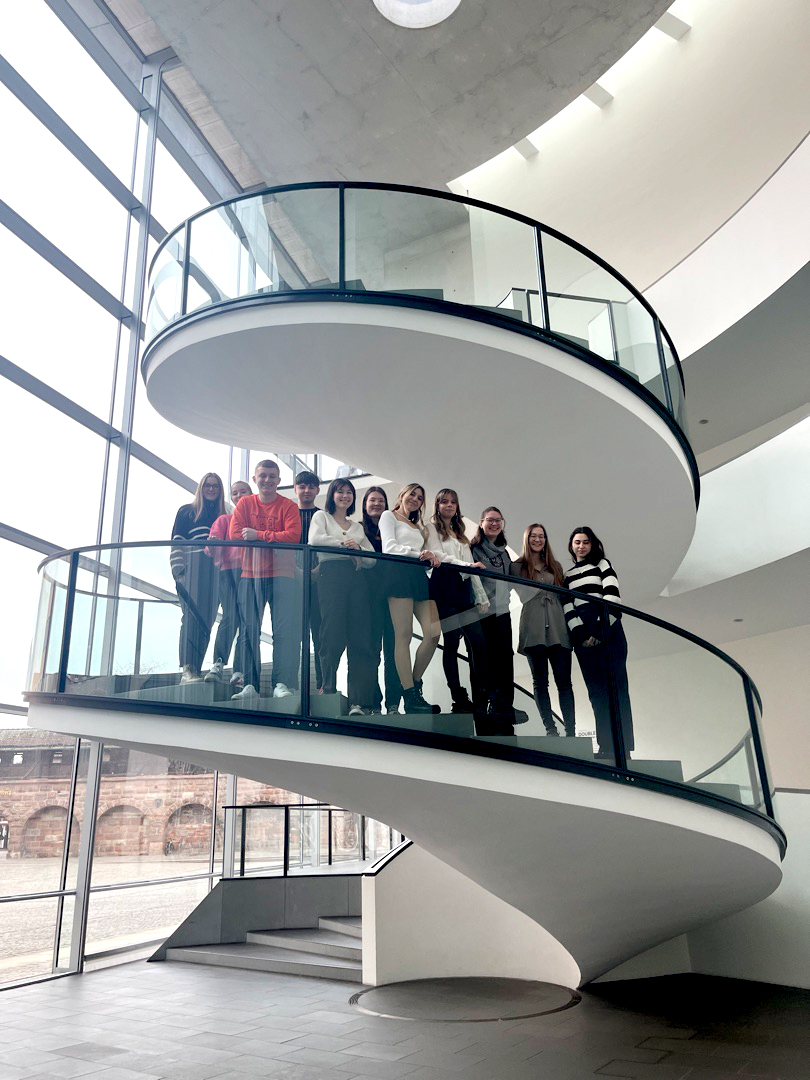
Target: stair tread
x: 271, y: 952
x: 320, y: 937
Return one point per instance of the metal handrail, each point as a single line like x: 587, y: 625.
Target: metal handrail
x: 365, y: 726
x: 320, y: 808
x: 341, y: 187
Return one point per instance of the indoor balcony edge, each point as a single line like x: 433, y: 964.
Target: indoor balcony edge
x: 407, y: 330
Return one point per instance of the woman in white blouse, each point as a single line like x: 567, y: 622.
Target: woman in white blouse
x: 460, y: 599
x: 343, y: 597
x: 403, y: 533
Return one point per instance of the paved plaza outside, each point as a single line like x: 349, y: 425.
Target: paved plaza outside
x: 183, y: 1022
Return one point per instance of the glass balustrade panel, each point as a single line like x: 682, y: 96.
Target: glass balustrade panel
x: 165, y: 303
x: 47, y: 646
x: 264, y: 839
x: 689, y: 718
x: 141, y: 633
x: 593, y: 309
x: 480, y: 689
x: 267, y: 244
x: 673, y: 375
x: 440, y: 249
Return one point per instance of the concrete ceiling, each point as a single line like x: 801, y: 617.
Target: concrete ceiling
x: 326, y: 89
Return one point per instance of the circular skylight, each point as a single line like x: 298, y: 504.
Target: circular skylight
x: 416, y: 14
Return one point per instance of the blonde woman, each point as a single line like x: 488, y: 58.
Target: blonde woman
x: 543, y: 635
x: 194, y: 574
x: 403, y: 532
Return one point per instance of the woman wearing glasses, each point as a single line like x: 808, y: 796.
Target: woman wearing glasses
x: 489, y: 548
x: 593, y: 575
x: 194, y: 574
x: 403, y: 532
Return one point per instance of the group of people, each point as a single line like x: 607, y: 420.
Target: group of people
x: 365, y: 607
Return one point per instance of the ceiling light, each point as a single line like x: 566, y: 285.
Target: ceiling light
x: 416, y: 14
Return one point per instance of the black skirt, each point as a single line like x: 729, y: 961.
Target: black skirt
x: 405, y: 579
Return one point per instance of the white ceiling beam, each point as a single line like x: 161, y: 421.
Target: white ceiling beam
x: 527, y: 149
x: 672, y: 26
x: 598, y: 95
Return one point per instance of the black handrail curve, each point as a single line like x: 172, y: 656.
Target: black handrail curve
x: 367, y: 728
x: 340, y: 291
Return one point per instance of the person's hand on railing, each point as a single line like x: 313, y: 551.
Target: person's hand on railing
x: 430, y: 558
x: 249, y: 534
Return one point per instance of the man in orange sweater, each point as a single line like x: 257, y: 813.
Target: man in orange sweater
x: 268, y: 577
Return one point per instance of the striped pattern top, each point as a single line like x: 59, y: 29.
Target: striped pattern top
x: 186, y: 528
x: 597, y: 580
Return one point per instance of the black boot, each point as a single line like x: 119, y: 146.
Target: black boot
x: 461, y: 700
x: 415, y: 703
x: 417, y: 685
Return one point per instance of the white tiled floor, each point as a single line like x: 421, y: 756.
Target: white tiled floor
x: 182, y: 1022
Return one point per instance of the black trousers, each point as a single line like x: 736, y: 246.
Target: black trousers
x: 539, y: 657
x: 228, y: 589
x: 500, y: 660
x: 197, y: 593
x: 382, y: 645
x: 346, y: 627
x: 283, y: 595
x: 593, y: 664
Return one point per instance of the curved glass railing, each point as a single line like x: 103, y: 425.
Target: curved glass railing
x: 651, y: 703
x: 385, y: 243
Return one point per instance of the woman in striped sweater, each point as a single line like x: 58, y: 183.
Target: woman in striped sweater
x: 593, y: 575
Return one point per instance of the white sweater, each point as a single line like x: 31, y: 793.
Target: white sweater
x: 454, y: 553
x: 324, y: 531
x: 400, y: 538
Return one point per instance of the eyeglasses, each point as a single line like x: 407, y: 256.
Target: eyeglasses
x: 492, y: 521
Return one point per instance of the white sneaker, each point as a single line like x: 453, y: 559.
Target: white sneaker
x: 190, y: 674
x: 245, y: 694
x: 282, y: 691
x: 358, y: 710
x: 237, y: 680
x: 215, y: 672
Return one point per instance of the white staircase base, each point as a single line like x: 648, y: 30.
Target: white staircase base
x: 329, y: 951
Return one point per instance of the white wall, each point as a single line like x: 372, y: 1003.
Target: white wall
x: 770, y: 942
x: 422, y: 920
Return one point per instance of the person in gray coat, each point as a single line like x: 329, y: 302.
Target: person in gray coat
x: 543, y: 635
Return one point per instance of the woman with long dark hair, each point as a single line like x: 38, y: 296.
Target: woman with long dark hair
x: 489, y: 548
x: 375, y: 503
x: 195, y: 575
x: 593, y: 575
x: 460, y: 598
x: 543, y: 635
x: 343, y: 596
x: 403, y: 532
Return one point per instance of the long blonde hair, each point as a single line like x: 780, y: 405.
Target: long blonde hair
x: 547, y: 559
x: 416, y: 515
x: 199, y: 501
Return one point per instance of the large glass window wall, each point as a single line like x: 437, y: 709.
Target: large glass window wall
x: 81, y: 133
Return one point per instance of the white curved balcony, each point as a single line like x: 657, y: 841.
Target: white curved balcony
x: 409, y: 330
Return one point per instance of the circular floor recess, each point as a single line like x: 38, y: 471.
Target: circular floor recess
x: 464, y: 1000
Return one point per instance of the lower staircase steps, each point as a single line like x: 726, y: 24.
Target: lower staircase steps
x: 331, y: 950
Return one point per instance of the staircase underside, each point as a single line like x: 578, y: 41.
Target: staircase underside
x: 608, y: 869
